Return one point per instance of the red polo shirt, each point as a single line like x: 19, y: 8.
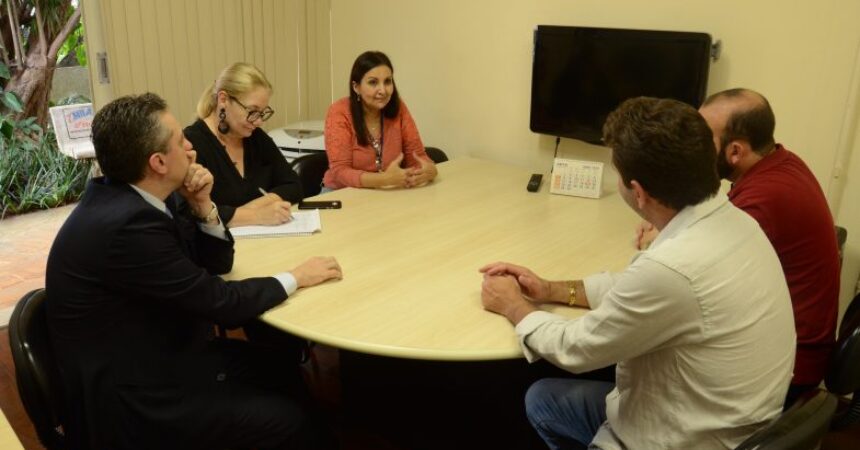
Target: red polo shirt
x: 781, y: 193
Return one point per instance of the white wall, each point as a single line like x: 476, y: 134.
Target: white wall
x: 464, y: 69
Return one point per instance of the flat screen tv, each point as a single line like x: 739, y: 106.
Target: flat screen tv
x: 580, y: 74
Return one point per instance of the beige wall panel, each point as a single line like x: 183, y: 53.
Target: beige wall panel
x: 319, y: 81
x: 282, y: 32
x: 247, y: 28
x: 279, y: 30
x: 181, y: 46
x: 178, y: 21
x: 176, y: 48
x: 140, y: 50
x: 257, y: 53
x: 269, y: 22
x: 165, y: 59
x: 279, y: 50
x: 208, y: 39
x: 102, y: 93
x: 188, y: 21
x: 115, y: 42
x: 293, y: 62
x: 149, y: 46
x: 234, y: 46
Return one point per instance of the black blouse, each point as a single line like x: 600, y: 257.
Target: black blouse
x: 265, y: 167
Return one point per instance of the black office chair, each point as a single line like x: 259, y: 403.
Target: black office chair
x: 841, y: 237
x: 843, y: 375
x: 36, y: 369
x: 801, y: 427
x: 436, y: 155
x: 311, y: 169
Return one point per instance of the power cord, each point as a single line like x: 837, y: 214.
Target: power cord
x: 555, y: 155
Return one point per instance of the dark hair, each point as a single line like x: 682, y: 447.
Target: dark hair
x: 753, y: 122
x: 125, y: 132
x: 667, y: 147
x: 363, y: 64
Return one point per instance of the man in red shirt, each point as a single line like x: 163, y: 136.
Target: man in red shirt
x: 776, y: 188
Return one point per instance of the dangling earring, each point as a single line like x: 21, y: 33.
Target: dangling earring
x: 223, y: 126
x: 357, y: 98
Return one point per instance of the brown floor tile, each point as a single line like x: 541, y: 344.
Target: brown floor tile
x: 25, y: 241
x: 7, y: 279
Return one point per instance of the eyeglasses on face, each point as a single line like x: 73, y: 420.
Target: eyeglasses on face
x: 254, y: 114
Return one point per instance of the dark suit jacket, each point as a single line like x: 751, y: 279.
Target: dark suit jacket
x: 265, y: 167
x: 132, y: 297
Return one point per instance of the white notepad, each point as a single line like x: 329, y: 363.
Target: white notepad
x: 304, y: 223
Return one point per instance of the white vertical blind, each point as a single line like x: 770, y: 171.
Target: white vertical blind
x: 175, y: 48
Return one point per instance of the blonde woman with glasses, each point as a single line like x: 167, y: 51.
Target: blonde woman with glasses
x: 254, y: 184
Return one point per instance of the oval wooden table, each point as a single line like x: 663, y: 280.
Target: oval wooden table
x: 410, y: 257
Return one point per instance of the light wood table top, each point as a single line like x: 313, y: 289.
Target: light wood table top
x: 410, y: 259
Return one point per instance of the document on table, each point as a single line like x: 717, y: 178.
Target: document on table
x: 303, y: 223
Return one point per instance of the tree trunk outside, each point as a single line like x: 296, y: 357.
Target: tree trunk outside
x: 33, y: 86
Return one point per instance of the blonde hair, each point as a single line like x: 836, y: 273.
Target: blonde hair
x: 236, y: 79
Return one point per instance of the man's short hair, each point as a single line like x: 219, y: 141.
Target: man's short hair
x: 126, y: 132
x: 752, y: 121
x: 667, y: 147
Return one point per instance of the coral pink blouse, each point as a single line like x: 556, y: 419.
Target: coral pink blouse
x: 347, y: 160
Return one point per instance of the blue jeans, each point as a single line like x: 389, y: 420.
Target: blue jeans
x: 567, y: 412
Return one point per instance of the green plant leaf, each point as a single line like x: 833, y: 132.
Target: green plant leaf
x: 33, y: 173
x: 81, y: 53
x: 74, y: 43
x: 12, y: 102
x: 6, y: 129
x: 4, y: 72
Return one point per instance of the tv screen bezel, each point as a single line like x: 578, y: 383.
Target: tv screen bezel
x: 701, y: 72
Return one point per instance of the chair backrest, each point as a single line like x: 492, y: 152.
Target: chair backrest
x: 801, y: 427
x: 841, y: 237
x: 436, y: 155
x: 843, y: 375
x: 36, y: 369
x: 311, y: 169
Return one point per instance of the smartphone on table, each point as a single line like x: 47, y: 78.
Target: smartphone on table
x: 320, y: 204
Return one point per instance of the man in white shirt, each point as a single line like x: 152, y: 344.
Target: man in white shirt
x: 699, y: 325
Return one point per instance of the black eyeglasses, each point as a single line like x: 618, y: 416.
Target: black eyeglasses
x: 254, y: 114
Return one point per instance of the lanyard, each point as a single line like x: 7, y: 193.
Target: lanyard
x: 377, y: 145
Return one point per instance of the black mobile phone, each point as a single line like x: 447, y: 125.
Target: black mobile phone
x: 330, y: 204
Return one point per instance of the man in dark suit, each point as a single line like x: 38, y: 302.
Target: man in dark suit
x: 133, y: 293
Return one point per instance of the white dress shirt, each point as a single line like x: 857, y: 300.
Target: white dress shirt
x: 701, y: 328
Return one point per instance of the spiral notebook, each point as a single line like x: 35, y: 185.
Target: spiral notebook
x: 304, y: 223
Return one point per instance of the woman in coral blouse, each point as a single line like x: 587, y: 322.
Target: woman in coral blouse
x: 370, y: 137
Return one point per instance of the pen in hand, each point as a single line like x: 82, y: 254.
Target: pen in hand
x: 290, y: 214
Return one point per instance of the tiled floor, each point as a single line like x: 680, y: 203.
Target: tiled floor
x: 24, y: 244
